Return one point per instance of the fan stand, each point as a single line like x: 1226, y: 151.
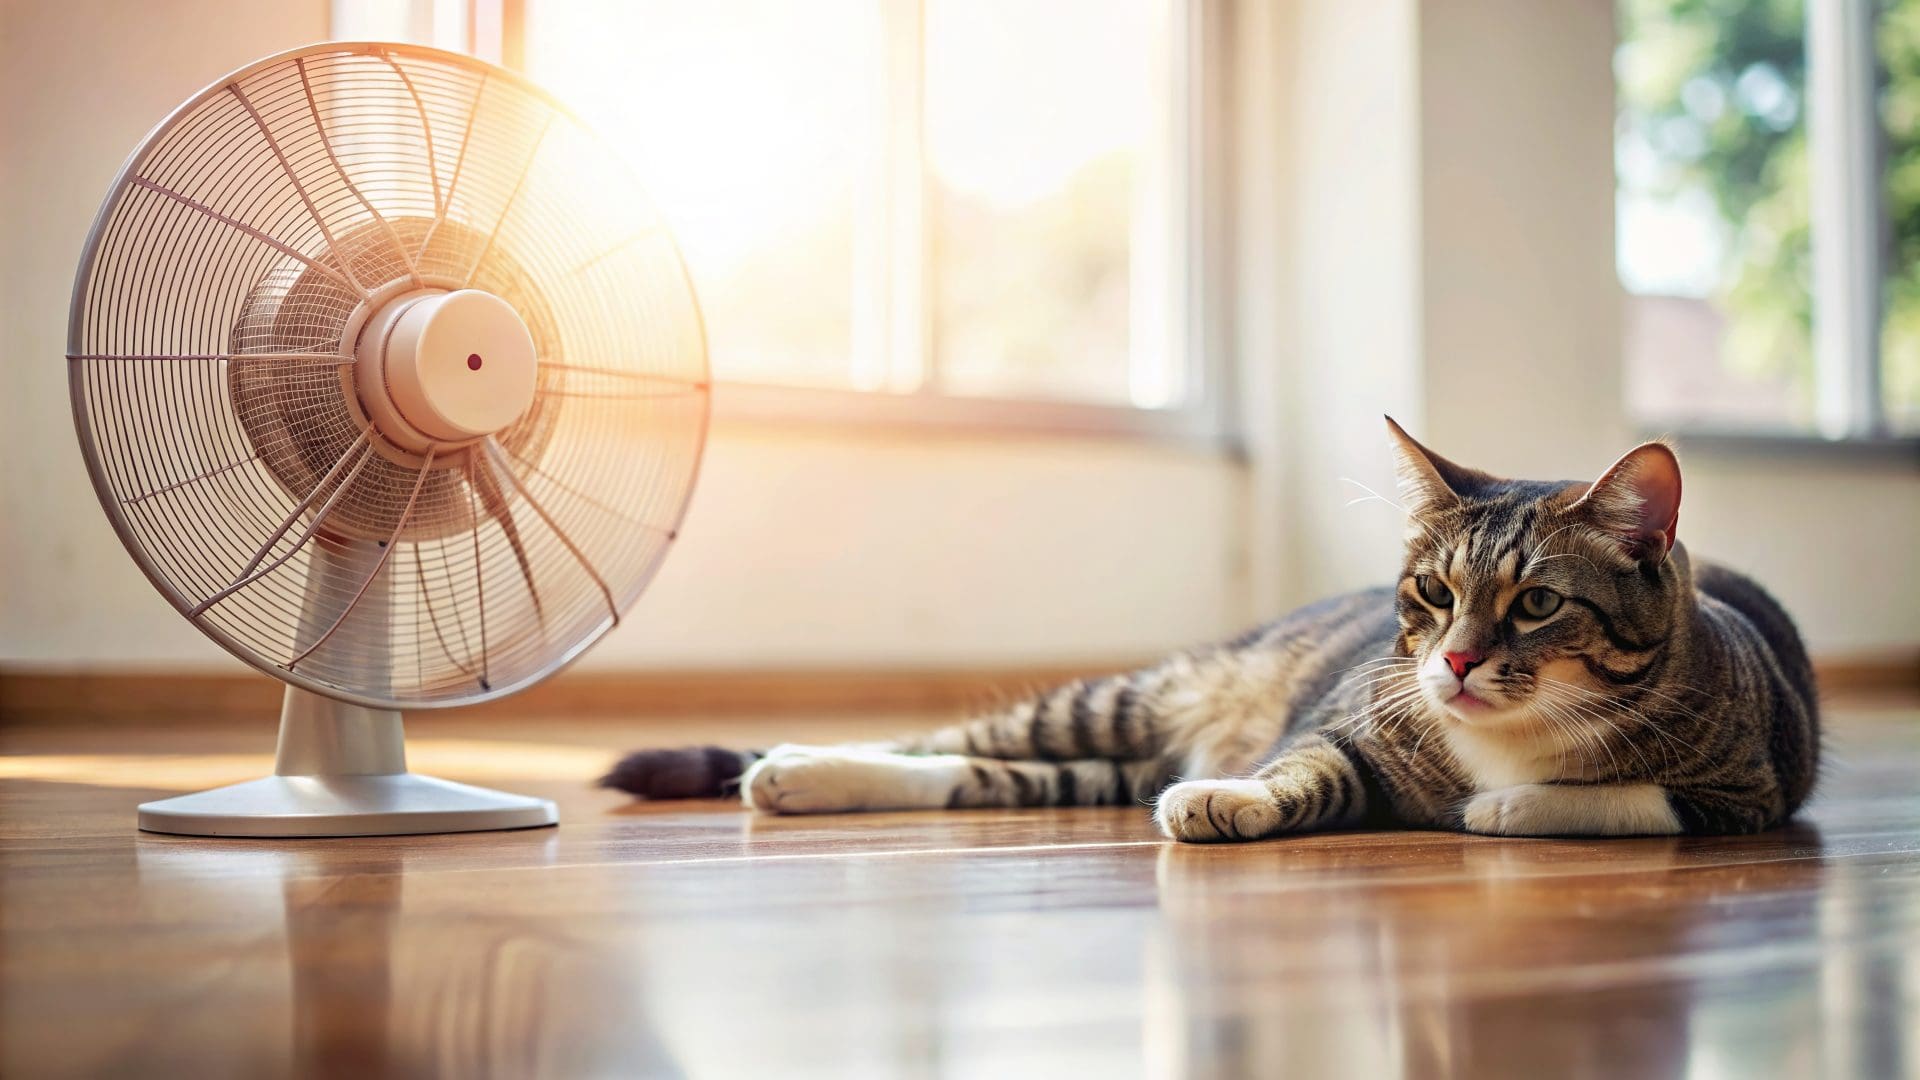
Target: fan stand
x: 341, y: 769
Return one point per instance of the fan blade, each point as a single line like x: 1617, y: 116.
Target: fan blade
x: 290, y: 252
x: 286, y: 167
x: 386, y: 552
x: 495, y: 501
x: 247, y: 574
x: 494, y: 452
x: 313, y: 107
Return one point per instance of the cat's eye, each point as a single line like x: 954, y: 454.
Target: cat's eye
x: 1434, y: 591
x: 1537, y: 603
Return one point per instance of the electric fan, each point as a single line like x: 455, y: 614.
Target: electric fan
x: 395, y: 387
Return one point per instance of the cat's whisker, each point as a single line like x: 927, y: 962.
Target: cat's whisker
x: 1673, y: 700
x: 1382, y: 665
x: 1535, y: 559
x: 1558, y: 730
x: 1631, y: 743
x: 1384, y: 707
x: 1577, y: 721
x: 1374, y: 496
x: 1380, y: 660
x: 1372, y: 711
x: 1595, y: 738
x: 1413, y: 757
x: 1564, y: 738
x: 1645, y: 723
x: 1563, y: 708
x: 1542, y: 560
x: 1641, y: 717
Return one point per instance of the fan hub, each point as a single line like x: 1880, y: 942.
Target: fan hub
x: 438, y: 370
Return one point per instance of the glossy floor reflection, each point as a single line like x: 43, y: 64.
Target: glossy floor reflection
x: 699, y: 941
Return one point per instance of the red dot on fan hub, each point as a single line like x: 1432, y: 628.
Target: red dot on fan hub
x: 473, y: 361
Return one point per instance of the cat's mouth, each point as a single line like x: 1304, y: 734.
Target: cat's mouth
x: 1461, y: 701
x: 1469, y: 707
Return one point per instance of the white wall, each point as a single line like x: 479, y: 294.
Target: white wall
x: 803, y: 546
x: 85, y: 79
x: 1351, y: 231
x: 1423, y: 209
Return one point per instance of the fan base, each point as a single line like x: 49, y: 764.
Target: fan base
x: 393, y: 804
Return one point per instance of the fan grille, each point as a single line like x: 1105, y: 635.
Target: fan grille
x: 210, y: 352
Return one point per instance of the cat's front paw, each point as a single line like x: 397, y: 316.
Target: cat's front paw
x: 1525, y: 810
x: 1572, y: 810
x: 1203, y: 810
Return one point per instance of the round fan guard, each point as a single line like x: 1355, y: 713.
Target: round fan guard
x: 393, y: 385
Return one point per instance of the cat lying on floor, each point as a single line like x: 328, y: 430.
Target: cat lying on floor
x: 1550, y: 662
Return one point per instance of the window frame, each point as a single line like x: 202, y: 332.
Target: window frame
x: 1847, y: 221
x: 1196, y: 163
x: 1846, y: 215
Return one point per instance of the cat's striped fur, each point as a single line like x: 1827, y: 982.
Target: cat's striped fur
x: 1550, y: 663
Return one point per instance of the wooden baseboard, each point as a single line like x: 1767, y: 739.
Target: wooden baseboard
x: 39, y: 697
x: 1897, y: 670
x: 29, y: 697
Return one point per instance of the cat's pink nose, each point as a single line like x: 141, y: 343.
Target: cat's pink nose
x: 1463, y: 662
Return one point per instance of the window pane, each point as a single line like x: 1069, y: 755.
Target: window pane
x: 1039, y: 121
x: 1898, y: 34
x: 744, y: 120
x: 1710, y: 154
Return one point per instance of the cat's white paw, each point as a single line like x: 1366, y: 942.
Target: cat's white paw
x: 1572, y: 810
x: 828, y: 780
x: 1199, y: 810
x: 1525, y: 810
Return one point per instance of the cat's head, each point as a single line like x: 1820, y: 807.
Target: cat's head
x: 1529, y: 603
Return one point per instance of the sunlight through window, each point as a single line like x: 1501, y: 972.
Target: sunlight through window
x: 968, y: 198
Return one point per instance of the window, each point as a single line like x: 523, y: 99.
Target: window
x: 1897, y: 41
x: 930, y: 201
x: 1768, y: 162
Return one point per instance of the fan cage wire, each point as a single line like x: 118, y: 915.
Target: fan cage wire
x: 233, y: 253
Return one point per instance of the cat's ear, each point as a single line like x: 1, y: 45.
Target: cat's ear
x: 1637, y: 500
x: 1427, y: 480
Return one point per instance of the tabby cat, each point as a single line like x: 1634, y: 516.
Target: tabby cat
x: 1550, y: 663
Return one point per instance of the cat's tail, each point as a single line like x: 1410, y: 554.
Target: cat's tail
x: 689, y: 772
x: 1103, y: 717
x: 1127, y: 716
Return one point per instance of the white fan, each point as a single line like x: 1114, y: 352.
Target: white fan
x: 396, y: 388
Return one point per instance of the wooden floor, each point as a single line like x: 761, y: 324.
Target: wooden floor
x: 695, y: 940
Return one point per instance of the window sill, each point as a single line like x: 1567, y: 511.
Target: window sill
x: 1870, y: 448
x: 753, y: 404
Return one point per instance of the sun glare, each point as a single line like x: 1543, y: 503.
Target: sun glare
x: 823, y: 218
x: 742, y: 120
